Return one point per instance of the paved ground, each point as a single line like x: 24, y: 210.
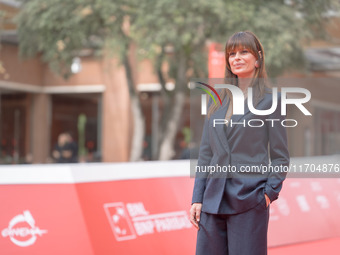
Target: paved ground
x: 326, y: 246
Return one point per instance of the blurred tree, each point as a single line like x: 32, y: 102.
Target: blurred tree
x: 60, y: 30
x: 176, y: 32
x: 169, y: 32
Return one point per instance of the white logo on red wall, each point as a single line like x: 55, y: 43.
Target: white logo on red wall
x: 22, y: 230
x: 128, y: 222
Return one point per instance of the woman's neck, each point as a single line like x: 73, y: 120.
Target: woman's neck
x: 244, y: 83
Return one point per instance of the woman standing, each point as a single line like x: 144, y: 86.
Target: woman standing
x: 231, y: 210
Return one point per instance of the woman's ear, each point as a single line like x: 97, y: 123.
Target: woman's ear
x: 260, y: 54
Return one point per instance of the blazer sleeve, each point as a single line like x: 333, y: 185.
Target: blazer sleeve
x: 204, y: 157
x: 279, y: 155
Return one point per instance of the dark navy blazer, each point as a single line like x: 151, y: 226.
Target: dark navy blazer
x: 237, y: 146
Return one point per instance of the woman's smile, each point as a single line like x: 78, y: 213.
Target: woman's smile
x: 238, y: 65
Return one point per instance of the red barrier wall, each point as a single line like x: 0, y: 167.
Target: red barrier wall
x: 137, y: 208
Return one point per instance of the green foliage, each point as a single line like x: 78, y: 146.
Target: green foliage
x: 181, y: 26
x: 60, y: 29
x: 81, y: 134
x: 186, y: 131
x: 186, y: 26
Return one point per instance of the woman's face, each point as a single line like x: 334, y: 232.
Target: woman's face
x: 242, y: 62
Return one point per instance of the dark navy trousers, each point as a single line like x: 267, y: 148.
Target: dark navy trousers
x: 236, y: 234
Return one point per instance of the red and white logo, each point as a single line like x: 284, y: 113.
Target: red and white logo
x: 22, y: 231
x: 120, y: 221
x: 128, y: 222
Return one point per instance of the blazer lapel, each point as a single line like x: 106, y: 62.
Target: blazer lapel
x: 240, y: 118
x: 237, y: 118
x: 220, y: 128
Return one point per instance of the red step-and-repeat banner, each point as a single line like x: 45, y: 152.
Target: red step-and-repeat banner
x: 136, y: 208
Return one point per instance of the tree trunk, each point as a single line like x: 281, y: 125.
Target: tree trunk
x: 138, y: 130
x: 166, y: 99
x: 167, y: 145
x: 137, y: 114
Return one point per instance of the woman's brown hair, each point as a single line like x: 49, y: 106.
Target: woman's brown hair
x: 249, y: 41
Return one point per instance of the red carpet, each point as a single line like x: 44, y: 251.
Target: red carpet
x: 326, y: 246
